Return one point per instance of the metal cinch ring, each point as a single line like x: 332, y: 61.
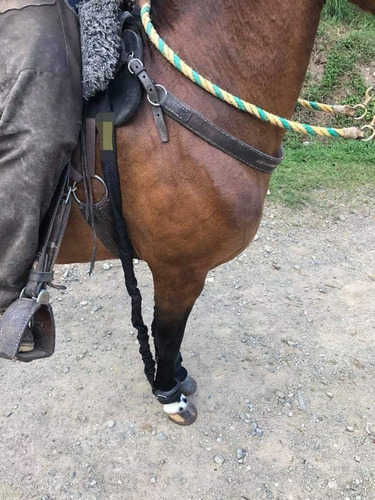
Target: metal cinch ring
x: 158, y: 86
x: 74, y: 189
x: 369, y: 127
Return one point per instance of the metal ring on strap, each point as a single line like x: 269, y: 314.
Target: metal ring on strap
x: 74, y: 189
x: 158, y: 86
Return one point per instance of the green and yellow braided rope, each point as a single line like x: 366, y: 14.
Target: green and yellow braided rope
x: 189, y: 72
x: 325, y: 108
x: 317, y: 106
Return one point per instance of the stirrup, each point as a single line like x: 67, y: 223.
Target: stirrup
x: 16, y: 320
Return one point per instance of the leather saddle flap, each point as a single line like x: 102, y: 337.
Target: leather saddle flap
x: 124, y: 92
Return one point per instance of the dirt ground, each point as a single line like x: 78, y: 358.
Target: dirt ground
x: 281, y: 343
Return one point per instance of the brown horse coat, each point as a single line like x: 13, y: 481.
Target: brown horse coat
x: 188, y: 206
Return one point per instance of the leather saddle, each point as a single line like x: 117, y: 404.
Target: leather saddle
x: 124, y: 92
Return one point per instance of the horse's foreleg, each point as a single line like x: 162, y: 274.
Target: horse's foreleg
x: 175, y: 294
x: 188, y: 385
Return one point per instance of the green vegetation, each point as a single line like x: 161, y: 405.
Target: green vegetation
x: 343, y: 11
x: 340, y: 166
x: 345, y: 48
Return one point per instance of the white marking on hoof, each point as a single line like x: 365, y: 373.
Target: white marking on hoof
x: 176, y: 407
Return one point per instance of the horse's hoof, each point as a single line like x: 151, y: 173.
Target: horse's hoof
x: 186, y: 417
x: 188, y: 386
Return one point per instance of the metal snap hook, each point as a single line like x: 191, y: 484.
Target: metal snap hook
x: 364, y: 108
x: 72, y: 189
x: 369, y: 95
x: 371, y: 136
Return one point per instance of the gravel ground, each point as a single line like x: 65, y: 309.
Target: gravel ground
x: 281, y: 344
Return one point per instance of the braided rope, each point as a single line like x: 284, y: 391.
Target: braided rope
x: 317, y: 106
x: 278, y: 121
x: 335, y: 109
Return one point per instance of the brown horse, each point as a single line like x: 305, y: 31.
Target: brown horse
x: 188, y: 206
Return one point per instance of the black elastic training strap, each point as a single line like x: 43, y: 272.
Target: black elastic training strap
x: 104, y: 123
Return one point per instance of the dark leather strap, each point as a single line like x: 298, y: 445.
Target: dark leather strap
x: 136, y: 67
x: 85, y: 172
x: 90, y: 145
x: 105, y: 227
x: 199, y: 125
x: 41, y: 276
x: 51, y: 237
x: 216, y: 136
x: 99, y: 215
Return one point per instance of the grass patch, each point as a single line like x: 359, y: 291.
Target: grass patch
x: 338, y: 165
x: 345, y: 51
x: 344, y: 12
x: 346, y: 38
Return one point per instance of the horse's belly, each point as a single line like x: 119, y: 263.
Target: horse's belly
x: 193, y: 206
x: 181, y: 200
